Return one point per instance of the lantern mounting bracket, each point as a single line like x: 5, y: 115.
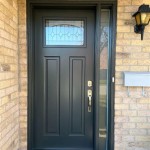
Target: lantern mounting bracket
x: 139, y: 29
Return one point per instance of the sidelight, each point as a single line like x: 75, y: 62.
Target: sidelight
x: 104, y: 79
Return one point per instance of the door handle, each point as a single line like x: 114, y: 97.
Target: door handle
x: 89, y: 100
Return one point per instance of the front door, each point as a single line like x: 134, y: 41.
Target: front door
x: 63, y: 79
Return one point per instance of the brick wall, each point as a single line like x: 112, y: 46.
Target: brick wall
x: 23, y: 73
x: 9, y: 101
x: 132, y: 113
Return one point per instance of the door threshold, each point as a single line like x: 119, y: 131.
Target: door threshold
x: 62, y: 149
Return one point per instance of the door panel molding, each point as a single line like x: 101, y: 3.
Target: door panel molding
x: 52, y: 108
x: 111, y: 4
x: 77, y: 64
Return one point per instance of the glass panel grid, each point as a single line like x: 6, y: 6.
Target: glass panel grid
x: 64, y: 32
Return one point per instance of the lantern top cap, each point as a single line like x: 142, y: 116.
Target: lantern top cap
x: 142, y: 8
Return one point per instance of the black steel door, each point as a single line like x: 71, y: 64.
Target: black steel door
x: 64, y: 63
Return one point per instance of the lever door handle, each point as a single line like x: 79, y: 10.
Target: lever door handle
x: 89, y: 100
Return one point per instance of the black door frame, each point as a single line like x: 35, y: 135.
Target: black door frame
x: 110, y: 4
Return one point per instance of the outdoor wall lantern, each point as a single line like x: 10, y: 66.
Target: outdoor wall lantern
x: 142, y: 18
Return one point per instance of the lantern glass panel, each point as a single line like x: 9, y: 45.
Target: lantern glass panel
x: 138, y: 19
x: 145, y: 17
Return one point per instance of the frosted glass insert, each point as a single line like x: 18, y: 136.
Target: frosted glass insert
x: 64, y: 32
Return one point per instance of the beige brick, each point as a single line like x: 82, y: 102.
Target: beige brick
x: 120, y: 9
x: 140, y: 42
x: 118, y: 81
x: 124, y: 2
x: 118, y: 113
x: 129, y: 125
x: 119, y: 62
x: 120, y: 88
x: 130, y: 62
x: 143, y: 113
x: 137, y: 119
x: 120, y: 23
x: 2, y: 109
x: 138, y: 106
x: 118, y: 75
x: 124, y: 29
x: 140, y: 55
x: 122, y: 55
x: 146, y: 49
x: 129, y: 113
x: 144, y: 62
x: 118, y: 138
x: 130, y: 9
x: 121, y: 132
x: 137, y: 2
x: 118, y: 100
x: 130, y: 36
x: 139, y: 68
x: 121, y: 94
x: 121, y: 119
x: 130, y: 100
x: 120, y: 35
x: 145, y: 101
x: 121, y: 106
x: 148, y: 119
x: 143, y: 138
x: 124, y: 16
x: 147, y: 35
x: 4, y: 84
x: 138, y: 132
x: 128, y: 138
x: 122, y: 68
x: 5, y: 100
x: 143, y: 125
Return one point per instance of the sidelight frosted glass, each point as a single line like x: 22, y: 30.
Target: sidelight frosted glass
x: 64, y: 32
x: 104, y: 71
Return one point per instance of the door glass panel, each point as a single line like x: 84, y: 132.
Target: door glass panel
x: 104, y: 70
x: 64, y: 32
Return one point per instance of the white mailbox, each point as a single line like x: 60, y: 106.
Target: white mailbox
x: 137, y: 79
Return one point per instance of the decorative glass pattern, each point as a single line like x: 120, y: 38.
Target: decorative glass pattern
x: 64, y: 32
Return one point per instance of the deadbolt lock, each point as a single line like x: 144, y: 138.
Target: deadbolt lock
x: 89, y: 83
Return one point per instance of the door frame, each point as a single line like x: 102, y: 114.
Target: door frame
x: 98, y: 5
